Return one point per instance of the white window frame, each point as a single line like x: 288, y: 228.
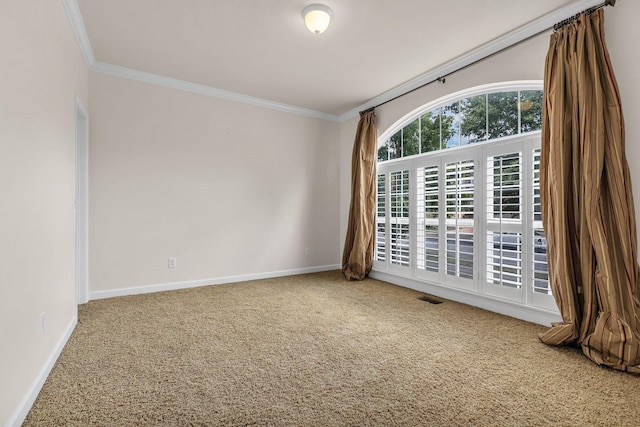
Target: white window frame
x: 479, y: 154
x: 391, y: 266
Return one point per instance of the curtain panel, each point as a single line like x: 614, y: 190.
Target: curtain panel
x: 357, y: 257
x: 587, y: 204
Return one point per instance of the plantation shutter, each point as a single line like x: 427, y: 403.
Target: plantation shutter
x: 428, y: 214
x: 540, y: 272
x: 399, y: 245
x: 459, y: 220
x: 381, y: 220
x: 504, y: 227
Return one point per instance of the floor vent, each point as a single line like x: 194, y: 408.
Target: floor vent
x: 430, y: 299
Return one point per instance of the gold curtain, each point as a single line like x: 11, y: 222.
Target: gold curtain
x: 587, y: 205
x: 357, y: 257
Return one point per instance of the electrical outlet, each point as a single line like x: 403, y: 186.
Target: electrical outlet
x: 307, y: 251
x: 42, y: 323
x: 173, y: 262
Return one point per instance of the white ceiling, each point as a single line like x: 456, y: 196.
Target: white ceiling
x: 261, y: 48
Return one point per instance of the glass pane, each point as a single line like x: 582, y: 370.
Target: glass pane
x: 419, y: 252
x: 537, y: 211
x: 452, y: 260
x: 431, y: 193
x: 459, y: 251
x: 503, y: 114
x: 411, y: 139
x: 383, y: 152
x: 474, y: 119
x: 399, y: 250
x: 540, y: 268
x: 504, y: 186
x: 380, y: 242
x: 430, y: 130
x: 399, y: 194
x: 381, y: 219
x: 399, y: 218
x: 504, y: 259
x: 432, y: 248
x: 395, y: 146
x: 428, y: 244
x: 466, y: 251
x: 451, y: 125
x: 381, y: 196
x: 530, y: 110
x: 459, y: 207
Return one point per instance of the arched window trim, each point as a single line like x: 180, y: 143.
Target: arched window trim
x: 457, y: 96
x: 464, y: 222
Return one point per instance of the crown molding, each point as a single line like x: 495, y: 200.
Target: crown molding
x: 537, y: 26
x: 77, y: 25
x: 143, y: 76
x: 80, y: 31
x: 533, y: 28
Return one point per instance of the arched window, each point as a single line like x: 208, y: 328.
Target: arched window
x: 458, y: 201
x: 482, y: 114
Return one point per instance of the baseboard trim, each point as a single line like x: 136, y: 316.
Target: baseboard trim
x: 206, y: 282
x: 485, y: 302
x: 21, y: 412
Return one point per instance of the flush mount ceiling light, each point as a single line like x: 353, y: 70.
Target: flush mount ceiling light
x: 317, y: 17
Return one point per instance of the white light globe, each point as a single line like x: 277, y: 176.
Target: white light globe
x: 317, y: 17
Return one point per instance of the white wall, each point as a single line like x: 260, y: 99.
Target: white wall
x: 522, y: 62
x: 227, y: 188
x: 41, y: 73
x: 622, y: 36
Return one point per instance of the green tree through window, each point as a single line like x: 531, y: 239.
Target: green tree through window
x: 469, y: 120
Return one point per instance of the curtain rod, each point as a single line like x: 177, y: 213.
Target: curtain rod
x: 442, y: 78
x: 587, y: 12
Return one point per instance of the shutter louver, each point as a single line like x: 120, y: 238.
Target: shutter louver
x: 539, y: 264
x: 428, y: 201
x: 381, y: 224
x: 399, y: 218
x: 459, y: 195
x: 504, y: 220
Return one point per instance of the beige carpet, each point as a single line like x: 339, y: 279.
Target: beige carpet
x: 315, y: 350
